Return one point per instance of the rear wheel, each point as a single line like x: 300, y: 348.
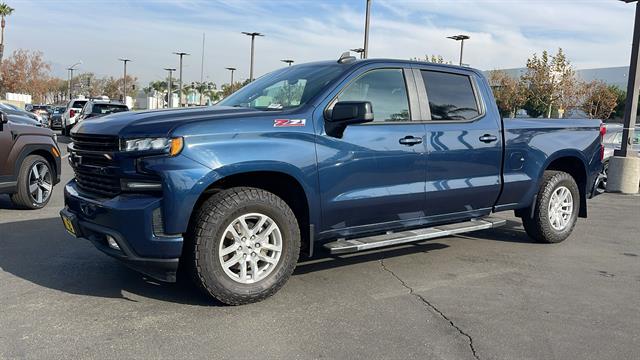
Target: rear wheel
x: 245, y: 245
x: 556, y: 209
x: 35, y: 183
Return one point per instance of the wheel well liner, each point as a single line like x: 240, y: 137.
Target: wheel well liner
x: 281, y: 184
x: 575, y: 167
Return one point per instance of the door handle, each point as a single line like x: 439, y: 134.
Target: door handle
x: 488, y: 138
x: 410, y: 140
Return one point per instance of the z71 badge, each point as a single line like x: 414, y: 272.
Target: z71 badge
x: 289, y: 122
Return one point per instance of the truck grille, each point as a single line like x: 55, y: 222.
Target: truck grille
x: 95, y: 142
x: 91, y: 157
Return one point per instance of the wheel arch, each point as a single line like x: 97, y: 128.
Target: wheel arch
x: 573, y: 163
x: 280, y: 182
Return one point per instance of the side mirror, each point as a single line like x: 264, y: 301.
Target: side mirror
x: 346, y: 113
x: 3, y: 118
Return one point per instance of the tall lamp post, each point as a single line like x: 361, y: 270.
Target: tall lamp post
x: 359, y: 51
x: 124, y: 79
x: 365, y: 52
x: 181, y: 54
x: 460, y: 38
x: 624, y: 168
x: 287, y: 61
x: 71, y: 69
x: 231, y: 69
x: 253, y: 38
x: 170, y: 87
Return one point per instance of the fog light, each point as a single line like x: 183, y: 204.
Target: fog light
x: 112, y: 243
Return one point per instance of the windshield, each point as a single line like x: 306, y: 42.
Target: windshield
x: 284, y: 89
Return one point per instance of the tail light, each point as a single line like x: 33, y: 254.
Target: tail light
x: 603, y: 132
x: 72, y: 113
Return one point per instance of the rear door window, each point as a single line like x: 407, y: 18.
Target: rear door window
x: 451, y: 96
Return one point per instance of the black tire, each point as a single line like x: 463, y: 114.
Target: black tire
x: 540, y: 227
x: 601, y: 188
x: 209, y: 226
x: 23, y: 198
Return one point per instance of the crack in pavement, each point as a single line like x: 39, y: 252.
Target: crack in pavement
x: 432, y: 307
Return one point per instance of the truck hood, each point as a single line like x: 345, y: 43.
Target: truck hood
x: 157, y: 122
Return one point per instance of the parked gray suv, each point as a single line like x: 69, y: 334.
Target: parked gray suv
x: 29, y: 162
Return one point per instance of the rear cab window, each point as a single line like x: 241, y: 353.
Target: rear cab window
x: 451, y: 96
x: 108, y: 108
x: 78, y: 104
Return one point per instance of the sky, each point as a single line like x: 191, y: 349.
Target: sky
x: 504, y: 33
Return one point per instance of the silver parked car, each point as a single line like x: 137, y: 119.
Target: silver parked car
x: 612, y: 141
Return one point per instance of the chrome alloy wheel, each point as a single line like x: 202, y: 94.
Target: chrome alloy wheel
x: 40, y: 183
x: 560, y: 208
x: 250, y: 248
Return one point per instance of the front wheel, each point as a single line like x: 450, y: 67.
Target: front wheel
x: 556, y: 208
x: 35, y: 183
x: 244, y: 246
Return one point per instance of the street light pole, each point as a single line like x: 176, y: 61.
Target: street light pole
x: 359, y: 51
x: 365, y: 53
x: 253, y: 38
x: 287, y: 61
x: 170, y: 87
x: 232, y: 69
x: 181, y: 54
x: 71, y: 69
x: 460, y: 38
x: 124, y: 80
x: 624, y: 168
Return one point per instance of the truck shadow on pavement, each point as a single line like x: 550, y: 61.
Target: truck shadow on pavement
x: 5, y: 203
x: 41, y: 252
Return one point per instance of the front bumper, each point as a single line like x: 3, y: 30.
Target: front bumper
x: 129, y: 219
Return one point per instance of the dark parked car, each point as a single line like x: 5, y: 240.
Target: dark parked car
x: 43, y: 111
x: 29, y: 162
x: 351, y: 154
x: 97, y: 108
x: 55, y: 119
x: 12, y: 110
x: 19, y: 119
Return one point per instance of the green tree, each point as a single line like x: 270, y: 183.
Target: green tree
x: 551, y: 84
x: 621, y: 101
x: 5, y: 10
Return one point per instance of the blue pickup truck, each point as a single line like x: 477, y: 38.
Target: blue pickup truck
x: 349, y: 154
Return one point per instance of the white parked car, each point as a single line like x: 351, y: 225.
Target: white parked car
x: 71, y: 114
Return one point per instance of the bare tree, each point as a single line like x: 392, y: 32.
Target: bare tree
x: 510, y: 93
x: 600, y: 100
x: 26, y: 72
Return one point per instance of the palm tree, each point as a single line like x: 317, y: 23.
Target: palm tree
x: 5, y: 10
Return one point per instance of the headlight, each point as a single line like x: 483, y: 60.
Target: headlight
x: 173, y: 146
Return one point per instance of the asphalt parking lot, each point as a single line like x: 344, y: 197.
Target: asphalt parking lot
x: 486, y: 295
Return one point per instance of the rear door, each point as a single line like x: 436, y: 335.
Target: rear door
x: 373, y: 177
x: 464, y: 144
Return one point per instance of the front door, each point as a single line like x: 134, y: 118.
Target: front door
x: 464, y: 145
x: 373, y: 177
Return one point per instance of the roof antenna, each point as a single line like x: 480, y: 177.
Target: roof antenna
x: 346, y: 58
